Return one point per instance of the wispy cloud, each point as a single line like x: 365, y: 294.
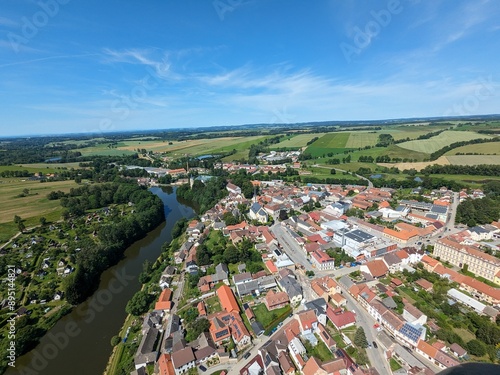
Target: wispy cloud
x: 60, y: 57
x: 462, y: 22
x: 4, y: 21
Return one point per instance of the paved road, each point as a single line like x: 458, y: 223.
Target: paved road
x: 363, y: 319
x: 290, y: 246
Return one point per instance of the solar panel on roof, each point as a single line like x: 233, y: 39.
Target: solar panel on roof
x: 221, y: 333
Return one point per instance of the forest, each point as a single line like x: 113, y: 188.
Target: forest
x: 204, y: 195
x: 481, y: 211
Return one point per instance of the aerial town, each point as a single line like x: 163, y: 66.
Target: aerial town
x: 352, y: 280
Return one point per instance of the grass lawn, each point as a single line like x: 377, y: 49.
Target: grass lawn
x: 394, y: 364
x: 405, y: 293
x: 268, y: 318
x: 213, y: 304
x: 319, y: 351
x: 339, y: 340
x: 322, y: 172
x: 464, y: 334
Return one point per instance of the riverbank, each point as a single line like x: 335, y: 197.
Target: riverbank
x: 87, y: 331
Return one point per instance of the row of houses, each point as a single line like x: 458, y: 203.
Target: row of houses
x: 476, y: 288
x: 285, y: 352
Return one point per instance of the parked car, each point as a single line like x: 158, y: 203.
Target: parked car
x: 246, y: 355
x: 375, y: 345
x: 203, y: 368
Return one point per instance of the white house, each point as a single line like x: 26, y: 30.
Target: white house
x: 258, y: 213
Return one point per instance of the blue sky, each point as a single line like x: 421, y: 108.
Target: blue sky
x: 97, y: 66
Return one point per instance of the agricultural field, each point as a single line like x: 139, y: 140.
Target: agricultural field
x: 31, y: 207
x: 361, y: 139
x: 481, y: 148
x: 39, y: 167
x: 103, y: 150
x: 491, y: 125
x: 331, y: 142
x: 445, y: 160
x: 176, y: 148
x: 393, y: 151
x: 411, y: 131
x: 299, y: 140
x: 446, y: 138
x: 473, y: 159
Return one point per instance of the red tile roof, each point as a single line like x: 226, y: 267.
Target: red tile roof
x: 164, y: 302
x: 340, y: 318
x: 227, y: 299
x: 271, y: 266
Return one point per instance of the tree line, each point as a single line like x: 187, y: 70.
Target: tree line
x: 113, y: 237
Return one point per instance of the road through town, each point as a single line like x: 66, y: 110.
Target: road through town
x: 363, y: 319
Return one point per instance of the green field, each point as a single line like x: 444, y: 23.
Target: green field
x: 331, y: 142
x: 446, y: 138
x: 39, y: 167
x: 473, y: 159
x: 103, y: 150
x: 299, y: 140
x: 393, y: 151
x: 361, y: 139
x: 411, y: 131
x: 176, y: 148
x: 31, y: 207
x: 481, y: 148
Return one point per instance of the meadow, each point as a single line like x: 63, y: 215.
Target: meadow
x: 31, y: 207
x: 39, y: 167
x: 446, y: 138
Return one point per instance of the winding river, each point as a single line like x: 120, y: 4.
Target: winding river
x: 79, y: 343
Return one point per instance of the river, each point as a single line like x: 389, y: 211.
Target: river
x: 79, y: 343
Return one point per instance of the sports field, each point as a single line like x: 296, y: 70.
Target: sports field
x: 446, y: 138
x: 481, y: 148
